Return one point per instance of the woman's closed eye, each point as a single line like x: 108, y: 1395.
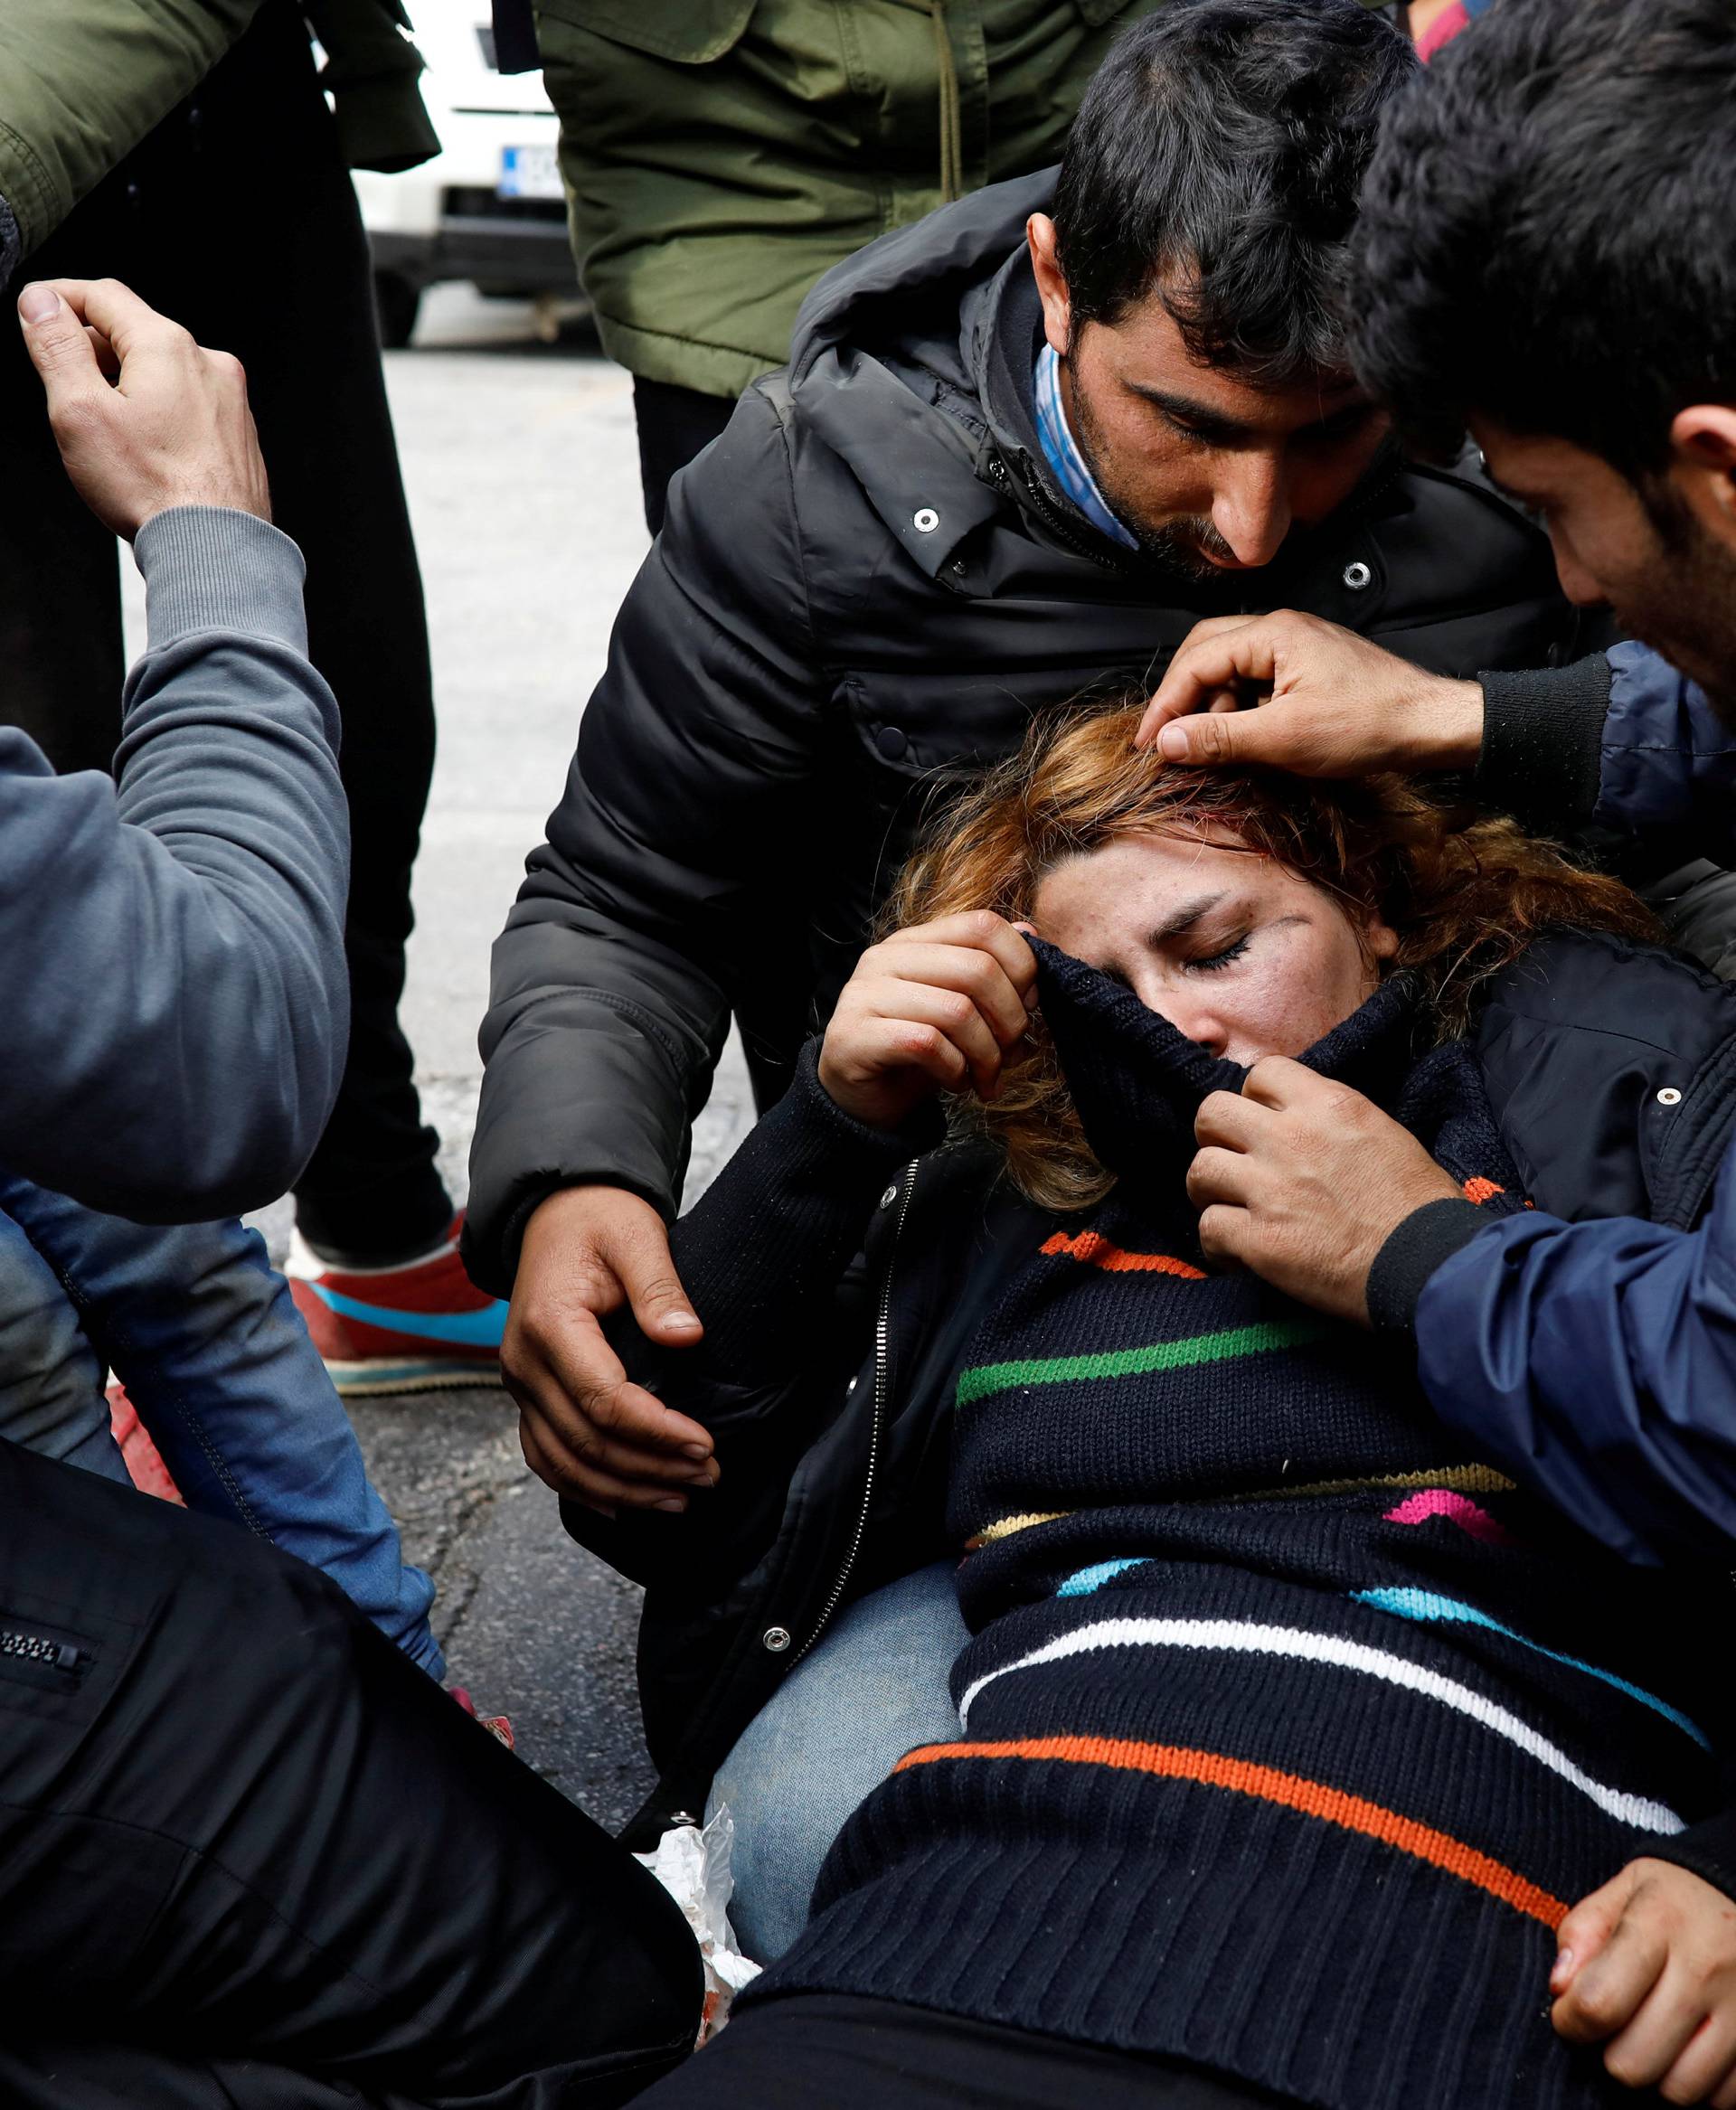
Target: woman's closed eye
x: 1209, y: 962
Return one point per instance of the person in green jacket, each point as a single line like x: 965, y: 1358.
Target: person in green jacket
x: 720, y: 155
x: 80, y: 88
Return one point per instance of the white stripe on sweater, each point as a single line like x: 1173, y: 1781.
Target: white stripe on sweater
x: 1350, y: 1655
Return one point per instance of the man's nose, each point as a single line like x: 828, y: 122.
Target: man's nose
x: 1577, y: 583
x: 1252, y: 510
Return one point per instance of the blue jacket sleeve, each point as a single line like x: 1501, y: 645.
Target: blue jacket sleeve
x: 1666, y: 759
x: 177, y: 1009
x: 1596, y: 1362
x: 1619, y: 738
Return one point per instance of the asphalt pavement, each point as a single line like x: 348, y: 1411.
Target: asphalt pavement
x: 521, y: 465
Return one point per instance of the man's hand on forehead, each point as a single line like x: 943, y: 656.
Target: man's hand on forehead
x: 1329, y: 702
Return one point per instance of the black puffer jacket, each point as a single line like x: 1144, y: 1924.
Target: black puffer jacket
x: 868, y: 584
x: 835, y: 1483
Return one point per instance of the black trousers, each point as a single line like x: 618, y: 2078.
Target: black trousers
x: 830, y: 2051
x: 238, y: 218
x: 251, y: 1856
x: 674, y: 425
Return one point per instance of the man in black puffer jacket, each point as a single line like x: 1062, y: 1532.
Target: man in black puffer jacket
x: 1013, y: 458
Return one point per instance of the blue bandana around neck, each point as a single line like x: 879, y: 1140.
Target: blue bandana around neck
x: 1061, y: 452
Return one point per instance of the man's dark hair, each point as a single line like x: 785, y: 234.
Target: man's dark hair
x: 1548, y: 232
x: 1215, y: 161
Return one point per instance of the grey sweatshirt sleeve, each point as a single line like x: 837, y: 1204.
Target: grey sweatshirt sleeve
x: 179, y: 1007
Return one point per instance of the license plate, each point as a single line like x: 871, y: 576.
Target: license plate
x: 529, y: 172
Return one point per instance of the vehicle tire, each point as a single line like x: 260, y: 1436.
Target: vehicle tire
x: 396, y: 300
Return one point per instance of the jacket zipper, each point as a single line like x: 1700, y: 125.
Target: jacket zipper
x: 882, y: 1339
x: 35, y: 1648
x: 1052, y: 519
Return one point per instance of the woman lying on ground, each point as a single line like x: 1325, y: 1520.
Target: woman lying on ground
x: 1287, y: 1733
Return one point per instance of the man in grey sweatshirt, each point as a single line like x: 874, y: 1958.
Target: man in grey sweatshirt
x: 248, y: 1854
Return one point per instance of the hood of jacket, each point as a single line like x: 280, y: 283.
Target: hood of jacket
x: 888, y: 361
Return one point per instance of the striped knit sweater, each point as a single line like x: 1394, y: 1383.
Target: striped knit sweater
x: 1288, y: 1731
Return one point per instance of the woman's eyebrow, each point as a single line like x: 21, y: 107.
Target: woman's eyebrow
x: 1184, y: 918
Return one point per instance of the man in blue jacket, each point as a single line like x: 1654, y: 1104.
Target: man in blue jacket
x: 1546, y: 254
x: 249, y: 1855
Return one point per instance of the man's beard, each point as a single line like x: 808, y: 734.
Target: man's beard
x: 1188, y: 544
x: 1691, y: 619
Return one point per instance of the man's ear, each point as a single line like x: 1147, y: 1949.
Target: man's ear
x: 1703, y: 467
x: 1051, y: 283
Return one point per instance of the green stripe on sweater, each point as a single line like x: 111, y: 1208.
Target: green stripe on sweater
x: 1125, y: 1362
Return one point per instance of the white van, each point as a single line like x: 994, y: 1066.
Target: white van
x: 488, y: 208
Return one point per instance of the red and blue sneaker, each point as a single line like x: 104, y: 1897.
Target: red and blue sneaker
x: 420, y: 1326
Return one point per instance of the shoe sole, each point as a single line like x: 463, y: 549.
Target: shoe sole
x: 376, y: 1378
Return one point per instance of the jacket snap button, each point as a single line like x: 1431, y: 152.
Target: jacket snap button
x: 775, y: 1638
x: 892, y: 741
x: 683, y: 1817
x: 925, y: 519
x: 1669, y: 1096
x: 890, y: 1196
x: 1357, y: 576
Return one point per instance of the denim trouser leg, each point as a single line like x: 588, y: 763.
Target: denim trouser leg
x: 51, y: 1378
x: 204, y: 1335
x: 874, y: 1688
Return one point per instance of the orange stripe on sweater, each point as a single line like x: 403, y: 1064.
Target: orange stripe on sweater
x: 1311, y: 1798
x: 1098, y: 1252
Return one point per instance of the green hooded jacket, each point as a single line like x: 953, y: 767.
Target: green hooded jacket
x: 82, y: 82
x: 720, y: 156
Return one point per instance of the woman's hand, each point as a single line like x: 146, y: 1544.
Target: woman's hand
x: 933, y: 1008
x: 1649, y: 1963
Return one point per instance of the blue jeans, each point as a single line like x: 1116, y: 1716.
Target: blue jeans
x: 875, y: 1688
x: 202, y: 1331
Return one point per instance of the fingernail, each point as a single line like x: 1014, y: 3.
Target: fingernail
x: 681, y: 1322
x: 1171, y: 743
x: 697, y: 1450
x: 1562, y: 1971
x: 37, y: 303
x: 697, y: 1479
x: 676, y: 1502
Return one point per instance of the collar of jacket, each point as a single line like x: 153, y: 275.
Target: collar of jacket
x: 1138, y: 1082
x: 919, y: 465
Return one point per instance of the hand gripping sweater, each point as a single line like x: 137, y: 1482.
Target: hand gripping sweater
x: 1289, y: 1732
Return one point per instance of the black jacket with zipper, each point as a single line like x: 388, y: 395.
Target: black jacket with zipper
x: 836, y: 1483
x: 867, y: 587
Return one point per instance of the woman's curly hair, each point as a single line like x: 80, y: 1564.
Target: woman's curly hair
x: 1465, y: 901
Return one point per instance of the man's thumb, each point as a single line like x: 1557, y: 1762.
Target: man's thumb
x: 1207, y: 736
x: 659, y: 1302
x: 1587, y: 1929
x: 58, y: 348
